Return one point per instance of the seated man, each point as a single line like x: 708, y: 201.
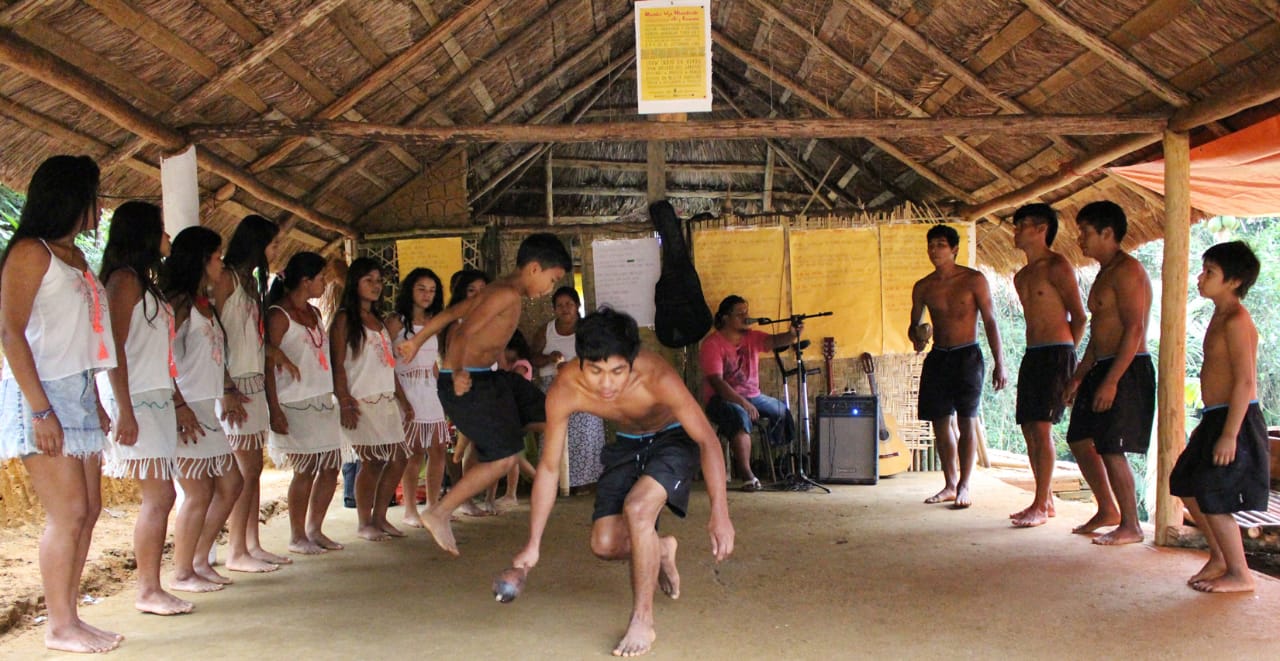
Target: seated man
x: 729, y: 359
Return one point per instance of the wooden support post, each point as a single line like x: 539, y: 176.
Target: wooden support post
x: 551, y: 207
x: 656, y: 160
x: 768, y: 179
x: 1171, y: 379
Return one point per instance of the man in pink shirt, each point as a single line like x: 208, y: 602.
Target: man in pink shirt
x: 729, y: 358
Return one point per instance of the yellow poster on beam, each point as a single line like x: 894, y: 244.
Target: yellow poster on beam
x: 442, y: 255
x: 904, y: 259
x: 838, y: 270
x: 673, y: 56
x: 746, y: 262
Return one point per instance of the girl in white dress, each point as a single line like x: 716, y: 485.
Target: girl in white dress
x: 304, y: 416
x: 206, y: 469
x: 55, y: 334
x: 426, y: 430
x: 147, y: 412
x: 369, y: 400
x: 237, y: 297
x: 550, y: 349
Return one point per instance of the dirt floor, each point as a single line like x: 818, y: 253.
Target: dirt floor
x: 866, y: 572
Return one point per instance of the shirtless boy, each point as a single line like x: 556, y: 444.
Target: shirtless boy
x: 663, y: 438
x: 1114, y: 387
x: 1225, y: 467
x: 492, y: 408
x: 1055, y: 323
x: 951, y: 380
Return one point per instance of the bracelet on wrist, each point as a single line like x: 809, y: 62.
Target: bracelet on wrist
x: 42, y: 415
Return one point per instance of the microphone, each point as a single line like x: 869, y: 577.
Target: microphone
x: 756, y: 321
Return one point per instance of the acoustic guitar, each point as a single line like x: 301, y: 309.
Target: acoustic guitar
x: 895, y: 457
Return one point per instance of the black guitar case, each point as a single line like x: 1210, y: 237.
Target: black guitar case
x: 681, y: 317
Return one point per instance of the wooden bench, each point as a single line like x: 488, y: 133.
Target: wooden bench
x: 1253, y: 524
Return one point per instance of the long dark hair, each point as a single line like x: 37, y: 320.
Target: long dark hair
x: 184, y: 268
x: 62, y: 189
x: 301, y: 266
x: 463, y: 279
x: 247, y: 249
x: 404, y: 299
x: 133, y: 244
x: 350, y: 304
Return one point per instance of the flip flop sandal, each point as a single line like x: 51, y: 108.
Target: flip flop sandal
x: 752, y: 485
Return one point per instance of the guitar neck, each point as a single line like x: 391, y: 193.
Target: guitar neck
x: 831, y: 378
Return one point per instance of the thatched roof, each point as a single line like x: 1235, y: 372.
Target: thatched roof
x: 453, y: 62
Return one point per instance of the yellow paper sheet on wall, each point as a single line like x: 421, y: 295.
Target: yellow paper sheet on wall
x: 746, y: 262
x: 904, y: 259
x: 838, y: 270
x: 442, y: 255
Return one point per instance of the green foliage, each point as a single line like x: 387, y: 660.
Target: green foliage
x: 90, y: 244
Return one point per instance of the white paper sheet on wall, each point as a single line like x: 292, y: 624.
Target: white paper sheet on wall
x: 626, y: 271
x: 180, y: 191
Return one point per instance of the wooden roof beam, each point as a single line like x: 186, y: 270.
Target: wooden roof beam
x: 1117, y: 58
x: 872, y: 81
x: 459, y: 57
x: 21, y: 11
x: 1197, y: 114
x: 47, y: 68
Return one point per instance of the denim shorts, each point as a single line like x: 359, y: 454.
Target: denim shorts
x: 74, y: 400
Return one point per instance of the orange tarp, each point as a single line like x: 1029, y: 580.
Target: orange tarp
x: 1235, y: 175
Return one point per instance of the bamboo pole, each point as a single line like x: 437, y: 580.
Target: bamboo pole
x: 1171, y: 379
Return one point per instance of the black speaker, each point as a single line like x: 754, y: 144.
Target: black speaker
x: 848, y: 447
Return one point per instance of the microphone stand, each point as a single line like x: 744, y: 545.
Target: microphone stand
x: 801, y: 453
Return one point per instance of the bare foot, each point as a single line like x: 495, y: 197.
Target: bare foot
x: 1212, y: 569
x: 267, y: 556
x: 163, y: 603
x: 945, y: 496
x: 1228, y: 582
x: 637, y: 640
x: 101, y: 633
x: 1119, y: 536
x: 322, y: 540
x: 963, y: 499
x: 1032, y: 517
x: 192, y: 583
x: 412, y: 520
x: 305, y: 546
x: 489, y: 508
x: 78, y: 639
x: 508, y: 502
x: 441, y: 531
x: 1099, y: 520
x: 250, y: 565
x: 469, y: 508
x: 668, y: 576
x: 390, y: 529
x: 372, y: 533
x: 207, y: 572
x: 1022, y: 512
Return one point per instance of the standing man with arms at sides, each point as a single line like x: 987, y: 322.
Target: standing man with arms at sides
x: 1114, y: 387
x: 951, y: 379
x: 1225, y: 467
x: 492, y: 408
x: 663, y: 438
x: 730, y: 362
x: 1055, y: 324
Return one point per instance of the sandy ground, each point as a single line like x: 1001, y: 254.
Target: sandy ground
x: 866, y: 572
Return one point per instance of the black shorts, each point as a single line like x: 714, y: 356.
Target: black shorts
x: 951, y: 382
x: 494, y: 412
x: 1240, y: 486
x: 1126, y: 426
x: 1042, y: 381
x: 668, y: 456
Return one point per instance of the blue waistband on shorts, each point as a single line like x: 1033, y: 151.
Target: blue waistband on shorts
x: 641, y: 437
x: 469, y: 369
x: 956, y: 347
x: 1051, y: 344
x: 1215, y: 407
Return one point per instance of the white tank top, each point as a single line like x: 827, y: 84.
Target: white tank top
x: 425, y: 359
x: 200, y: 353
x: 373, y: 370
x: 69, y: 330
x: 149, y: 346
x: 557, y: 342
x: 243, y: 320
x: 308, y: 348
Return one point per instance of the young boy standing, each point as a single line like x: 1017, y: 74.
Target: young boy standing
x: 1225, y: 467
x: 492, y: 408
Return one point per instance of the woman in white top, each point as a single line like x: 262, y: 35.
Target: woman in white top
x: 237, y: 297
x: 421, y: 297
x: 304, y: 417
x: 55, y: 335
x: 205, y: 469
x: 147, y: 412
x: 369, y: 400
x: 556, y: 345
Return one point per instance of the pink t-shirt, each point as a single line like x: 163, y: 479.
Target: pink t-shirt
x: 738, y: 365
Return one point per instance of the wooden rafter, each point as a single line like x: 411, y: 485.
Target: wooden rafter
x: 1117, y: 58
x: 456, y: 55
x: 20, y: 11
x: 47, y: 68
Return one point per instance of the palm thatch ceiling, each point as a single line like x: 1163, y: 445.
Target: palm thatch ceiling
x: 129, y: 80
